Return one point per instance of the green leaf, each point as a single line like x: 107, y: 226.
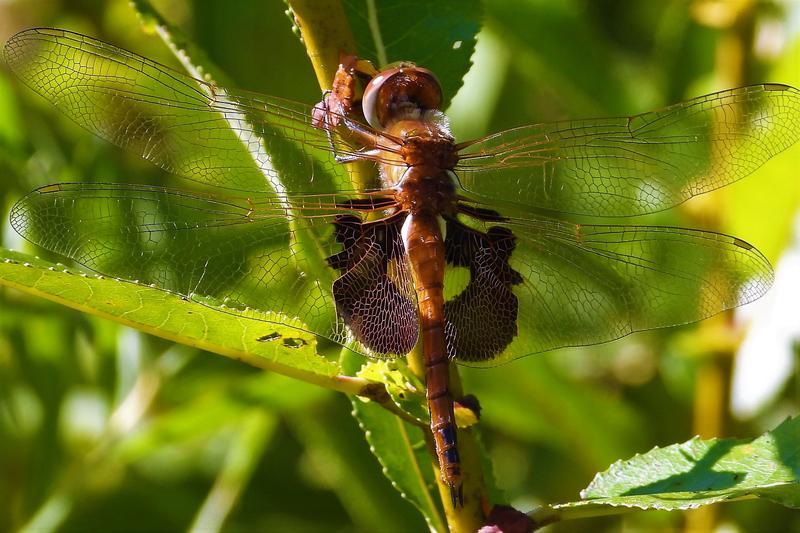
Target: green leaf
x: 401, y: 451
x: 529, y: 28
x: 699, y: 472
x: 285, y: 156
x: 439, y: 36
x: 200, y: 323
x: 339, y: 459
x: 293, y: 162
x: 193, y: 59
x: 406, y: 391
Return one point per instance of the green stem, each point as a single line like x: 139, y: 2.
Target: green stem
x: 549, y: 514
x: 327, y: 35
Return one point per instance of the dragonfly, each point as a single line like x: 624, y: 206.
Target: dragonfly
x: 469, y: 250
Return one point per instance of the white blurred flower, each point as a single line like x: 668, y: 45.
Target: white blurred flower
x: 765, y: 359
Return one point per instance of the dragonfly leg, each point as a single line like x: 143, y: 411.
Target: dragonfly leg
x: 324, y: 118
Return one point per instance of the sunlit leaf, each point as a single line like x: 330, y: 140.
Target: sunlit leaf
x: 400, y: 449
x: 197, y: 323
x: 699, y: 472
x: 405, y: 389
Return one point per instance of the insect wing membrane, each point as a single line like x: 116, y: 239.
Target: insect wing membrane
x: 634, y: 165
x: 532, y: 285
x: 244, y: 254
x: 229, y: 139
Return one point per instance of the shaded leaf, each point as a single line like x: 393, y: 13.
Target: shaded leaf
x: 194, y: 59
x: 439, y: 36
x: 537, y: 30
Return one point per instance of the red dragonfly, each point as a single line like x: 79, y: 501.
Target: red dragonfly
x: 461, y: 246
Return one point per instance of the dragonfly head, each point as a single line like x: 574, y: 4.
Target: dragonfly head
x: 398, y: 89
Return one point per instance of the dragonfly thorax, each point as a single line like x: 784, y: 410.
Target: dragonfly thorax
x: 427, y: 190
x: 426, y: 144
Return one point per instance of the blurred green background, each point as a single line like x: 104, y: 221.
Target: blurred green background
x: 102, y: 427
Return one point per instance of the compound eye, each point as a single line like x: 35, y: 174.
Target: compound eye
x: 399, y: 87
x: 370, y: 101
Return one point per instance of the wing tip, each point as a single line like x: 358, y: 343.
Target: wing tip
x: 16, y: 49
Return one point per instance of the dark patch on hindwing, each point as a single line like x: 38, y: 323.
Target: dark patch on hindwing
x: 372, y: 294
x: 481, y: 321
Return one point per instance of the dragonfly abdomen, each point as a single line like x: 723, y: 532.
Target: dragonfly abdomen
x: 424, y: 243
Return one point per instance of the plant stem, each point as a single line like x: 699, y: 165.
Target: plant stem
x: 712, y: 386
x: 327, y: 35
x: 471, y: 516
x: 549, y: 514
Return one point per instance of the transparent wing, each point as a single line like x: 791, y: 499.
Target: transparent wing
x: 536, y: 285
x: 223, y: 138
x: 635, y: 165
x: 277, y: 264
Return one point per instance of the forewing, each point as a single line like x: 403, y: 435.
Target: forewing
x: 254, y: 257
x: 205, y: 133
x: 635, y: 165
x: 537, y: 285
